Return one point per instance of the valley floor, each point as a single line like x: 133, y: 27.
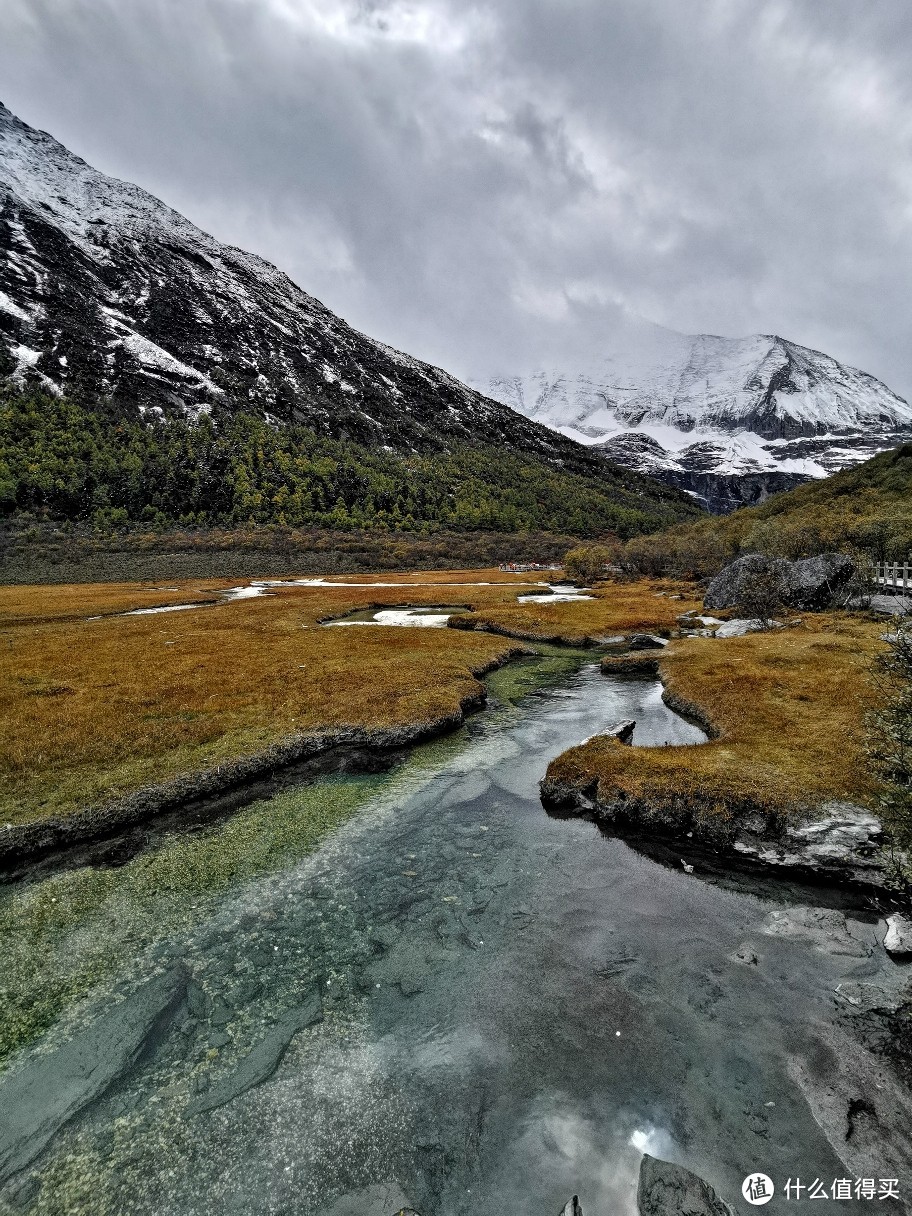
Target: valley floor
x: 160, y: 707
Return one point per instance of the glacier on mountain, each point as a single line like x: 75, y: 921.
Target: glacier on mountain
x: 692, y: 408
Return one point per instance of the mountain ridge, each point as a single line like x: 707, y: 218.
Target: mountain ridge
x: 107, y: 295
x: 731, y: 419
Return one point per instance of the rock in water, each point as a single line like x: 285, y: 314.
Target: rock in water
x: 671, y: 1190
x: 572, y: 1207
x: 622, y: 731
x: 263, y: 1058
x: 899, y: 935
x: 50, y: 1089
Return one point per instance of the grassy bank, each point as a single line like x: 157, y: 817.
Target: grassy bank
x: 786, y: 709
x: 92, y: 709
x: 647, y: 605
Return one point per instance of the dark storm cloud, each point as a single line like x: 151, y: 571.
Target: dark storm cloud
x: 486, y: 184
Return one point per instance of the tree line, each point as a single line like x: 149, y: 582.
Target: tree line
x: 65, y: 459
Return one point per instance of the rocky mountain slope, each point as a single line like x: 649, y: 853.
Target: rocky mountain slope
x: 730, y: 420
x: 108, y: 294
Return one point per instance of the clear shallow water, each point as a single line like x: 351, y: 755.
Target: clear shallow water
x: 515, y: 1006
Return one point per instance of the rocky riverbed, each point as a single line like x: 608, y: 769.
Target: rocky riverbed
x: 456, y: 1004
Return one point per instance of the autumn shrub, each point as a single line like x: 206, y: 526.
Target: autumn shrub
x: 588, y: 563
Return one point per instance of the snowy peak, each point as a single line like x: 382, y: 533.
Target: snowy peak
x: 108, y: 293
x: 104, y: 287
x: 675, y: 405
x: 764, y: 384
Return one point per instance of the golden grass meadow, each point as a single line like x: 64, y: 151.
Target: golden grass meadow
x: 94, y: 705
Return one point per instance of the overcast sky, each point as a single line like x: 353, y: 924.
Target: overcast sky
x: 488, y: 184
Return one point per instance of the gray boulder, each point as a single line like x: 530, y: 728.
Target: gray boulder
x: 728, y: 588
x: 810, y: 585
x: 645, y: 641
x: 818, y: 582
x: 671, y: 1190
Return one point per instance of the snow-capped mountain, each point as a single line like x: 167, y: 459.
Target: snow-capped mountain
x: 108, y: 293
x: 731, y: 420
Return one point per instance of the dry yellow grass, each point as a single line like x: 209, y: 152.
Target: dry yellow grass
x: 29, y: 605
x: 643, y: 606
x: 788, y: 707
x: 91, y: 709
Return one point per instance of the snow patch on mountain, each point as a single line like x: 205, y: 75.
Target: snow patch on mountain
x: 674, y: 405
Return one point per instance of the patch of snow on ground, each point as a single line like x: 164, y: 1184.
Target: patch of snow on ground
x: 560, y: 595
x: 403, y: 617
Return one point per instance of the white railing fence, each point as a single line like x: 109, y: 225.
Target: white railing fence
x: 893, y: 576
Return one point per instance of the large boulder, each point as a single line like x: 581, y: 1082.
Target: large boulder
x: 818, y: 582
x: 810, y: 585
x: 671, y: 1190
x: 730, y: 585
x: 898, y: 940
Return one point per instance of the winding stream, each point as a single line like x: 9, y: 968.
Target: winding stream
x: 514, y: 1007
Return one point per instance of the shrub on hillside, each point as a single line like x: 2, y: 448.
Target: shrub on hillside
x: 694, y: 552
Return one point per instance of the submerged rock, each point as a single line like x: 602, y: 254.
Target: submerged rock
x: 824, y: 928
x: 379, y: 1199
x: 263, y: 1058
x: 666, y: 1189
x: 50, y: 1089
x: 899, y: 935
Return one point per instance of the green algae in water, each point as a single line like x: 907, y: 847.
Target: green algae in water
x: 65, y: 936
x: 550, y: 666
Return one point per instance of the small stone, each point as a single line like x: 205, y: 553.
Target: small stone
x: 898, y: 940
x: 572, y: 1207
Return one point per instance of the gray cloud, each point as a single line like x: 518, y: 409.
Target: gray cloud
x: 484, y: 184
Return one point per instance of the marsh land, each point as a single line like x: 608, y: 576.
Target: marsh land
x: 393, y: 977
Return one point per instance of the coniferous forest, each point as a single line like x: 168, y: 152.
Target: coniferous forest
x: 61, y: 459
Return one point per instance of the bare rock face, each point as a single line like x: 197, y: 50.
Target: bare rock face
x: 671, y: 1190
